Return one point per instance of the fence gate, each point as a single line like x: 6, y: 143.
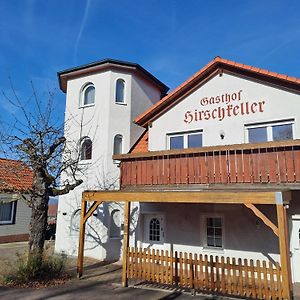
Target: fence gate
x: 210, y: 274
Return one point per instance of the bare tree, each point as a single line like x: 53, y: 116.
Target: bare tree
x: 35, y: 137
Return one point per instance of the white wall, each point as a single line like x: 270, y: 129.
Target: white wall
x: 278, y: 104
x: 101, y: 122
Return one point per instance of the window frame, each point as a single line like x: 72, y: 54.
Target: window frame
x: 82, y: 95
x: 124, y: 91
x: 269, y: 127
x: 122, y: 147
x: 146, y: 218
x: 185, y: 135
x: 204, y: 231
x: 13, y: 214
x: 82, y: 141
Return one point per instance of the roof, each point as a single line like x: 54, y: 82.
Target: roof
x: 65, y: 75
x: 218, y: 64
x: 15, y: 176
x: 141, y: 144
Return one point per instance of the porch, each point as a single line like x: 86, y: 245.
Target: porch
x: 206, y: 273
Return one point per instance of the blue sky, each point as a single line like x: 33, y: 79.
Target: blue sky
x: 171, y: 39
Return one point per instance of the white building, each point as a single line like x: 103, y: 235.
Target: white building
x: 231, y: 130
x: 102, y: 100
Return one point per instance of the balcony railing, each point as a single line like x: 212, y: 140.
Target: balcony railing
x: 261, y: 163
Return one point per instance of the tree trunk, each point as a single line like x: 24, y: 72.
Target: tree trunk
x: 39, y: 215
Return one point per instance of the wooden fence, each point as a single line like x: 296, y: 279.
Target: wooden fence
x: 211, y: 274
x: 207, y: 166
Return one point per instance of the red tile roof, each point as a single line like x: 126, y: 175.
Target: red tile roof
x: 15, y: 176
x: 141, y: 145
x: 217, y: 64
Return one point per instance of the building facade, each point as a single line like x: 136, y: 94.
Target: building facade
x: 102, y: 99
x: 216, y: 172
x: 15, y: 180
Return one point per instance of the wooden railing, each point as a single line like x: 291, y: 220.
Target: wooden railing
x: 211, y: 274
x: 273, y: 162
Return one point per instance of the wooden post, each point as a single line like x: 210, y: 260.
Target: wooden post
x: 284, y: 251
x: 126, y: 243
x: 81, y: 239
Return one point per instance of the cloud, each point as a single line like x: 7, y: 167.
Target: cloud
x: 82, y: 26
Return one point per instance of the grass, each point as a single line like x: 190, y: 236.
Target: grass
x: 35, y: 270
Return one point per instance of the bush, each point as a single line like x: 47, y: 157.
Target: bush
x: 37, y: 267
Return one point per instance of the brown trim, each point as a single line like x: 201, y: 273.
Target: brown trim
x: 235, y: 147
x: 14, y: 238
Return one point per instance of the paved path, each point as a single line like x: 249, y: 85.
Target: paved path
x: 100, y: 281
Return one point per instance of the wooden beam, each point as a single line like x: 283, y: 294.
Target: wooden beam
x: 263, y: 217
x: 126, y: 243
x: 240, y: 197
x: 284, y: 251
x: 91, y: 210
x: 81, y: 239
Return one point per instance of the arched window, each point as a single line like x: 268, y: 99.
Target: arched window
x: 86, y: 149
x: 154, y: 230
x: 115, y: 224
x: 88, y: 95
x: 120, y: 91
x: 75, y: 221
x: 118, y: 144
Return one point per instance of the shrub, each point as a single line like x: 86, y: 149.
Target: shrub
x: 37, y: 267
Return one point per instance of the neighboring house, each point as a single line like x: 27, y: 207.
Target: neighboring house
x: 15, y: 180
x: 52, y: 213
x: 214, y: 173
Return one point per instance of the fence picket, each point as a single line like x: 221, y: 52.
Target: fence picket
x: 207, y: 273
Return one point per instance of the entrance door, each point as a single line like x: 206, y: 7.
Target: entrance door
x: 295, y: 248
x: 154, y: 233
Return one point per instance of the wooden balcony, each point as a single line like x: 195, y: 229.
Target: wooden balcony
x: 252, y: 165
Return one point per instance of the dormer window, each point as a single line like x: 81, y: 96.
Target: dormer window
x: 120, y: 91
x: 88, y: 95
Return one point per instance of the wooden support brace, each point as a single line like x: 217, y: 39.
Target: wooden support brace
x: 81, y: 239
x: 263, y: 217
x: 126, y: 243
x: 83, y: 218
x: 91, y: 210
x: 284, y: 252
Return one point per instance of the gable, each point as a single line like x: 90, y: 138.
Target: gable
x: 227, y: 103
x: 217, y: 66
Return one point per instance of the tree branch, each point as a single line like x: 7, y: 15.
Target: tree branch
x: 68, y: 187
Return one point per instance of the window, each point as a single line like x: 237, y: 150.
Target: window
x: 115, y: 224
x: 154, y: 224
x: 120, y: 91
x: 86, y: 149
x: 118, y: 144
x: 185, y: 140
x: 88, y: 95
x: 214, y: 234
x: 75, y: 221
x: 276, y: 131
x: 7, y: 212
x: 258, y: 134
x: 154, y: 230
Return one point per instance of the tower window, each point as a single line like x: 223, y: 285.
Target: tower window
x: 120, y: 91
x: 118, y: 144
x: 88, y: 95
x: 86, y: 149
